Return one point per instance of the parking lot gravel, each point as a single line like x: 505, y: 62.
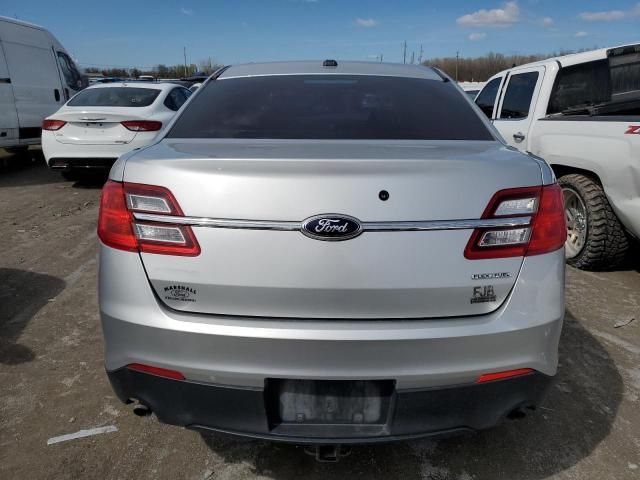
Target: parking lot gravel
x: 52, y: 380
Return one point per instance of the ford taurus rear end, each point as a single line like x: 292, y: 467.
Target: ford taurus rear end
x: 331, y: 253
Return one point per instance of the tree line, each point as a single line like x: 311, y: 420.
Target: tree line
x: 477, y: 69
x: 159, y: 71
x: 480, y: 69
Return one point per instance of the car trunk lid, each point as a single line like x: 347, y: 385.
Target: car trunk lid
x: 270, y: 272
x: 97, y: 126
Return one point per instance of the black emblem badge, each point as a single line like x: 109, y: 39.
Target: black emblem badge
x: 331, y: 227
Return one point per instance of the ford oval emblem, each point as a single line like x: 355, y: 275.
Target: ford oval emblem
x: 331, y: 227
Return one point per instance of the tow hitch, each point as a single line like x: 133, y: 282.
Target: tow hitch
x: 327, y: 453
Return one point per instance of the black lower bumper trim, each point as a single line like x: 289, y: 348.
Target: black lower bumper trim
x: 69, y: 164
x: 412, y: 414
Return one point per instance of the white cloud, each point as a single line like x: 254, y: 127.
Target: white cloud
x: 476, y: 37
x: 581, y: 34
x: 186, y: 11
x: 609, y: 16
x: 367, y: 22
x: 497, y: 17
x: 546, y: 22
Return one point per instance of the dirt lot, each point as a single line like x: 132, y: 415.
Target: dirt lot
x: 52, y: 380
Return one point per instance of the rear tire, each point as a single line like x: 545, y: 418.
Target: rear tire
x: 596, y: 239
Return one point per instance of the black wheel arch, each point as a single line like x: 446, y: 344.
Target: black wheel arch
x: 561, y: 170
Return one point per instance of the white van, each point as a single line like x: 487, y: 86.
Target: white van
x: 37, y: 76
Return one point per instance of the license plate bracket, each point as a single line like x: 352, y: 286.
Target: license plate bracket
x: 357, y: 403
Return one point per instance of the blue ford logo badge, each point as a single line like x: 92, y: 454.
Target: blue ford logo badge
x: 331, y: 227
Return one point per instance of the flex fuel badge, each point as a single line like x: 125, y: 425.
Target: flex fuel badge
x: 483, y: 294
x: 180, y: 293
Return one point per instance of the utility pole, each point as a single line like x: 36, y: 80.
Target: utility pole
x: 404, y: 52
x: 420, y: 56
x: 380, y: 58
x: 184, y: 51
x: 413, y: 57
x: 457, y: 58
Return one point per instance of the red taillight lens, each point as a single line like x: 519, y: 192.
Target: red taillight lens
x: 53, y: 124
x: 161, y: 372
x: 545, y: 233
x: 549, y: 227
x: 118, y: 227
x: 142, y: 125
x: 114, y: 220
x: 490, y: 377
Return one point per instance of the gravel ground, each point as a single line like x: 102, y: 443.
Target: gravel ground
x: 52, y: 380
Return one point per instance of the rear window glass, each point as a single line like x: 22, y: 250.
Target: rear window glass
x: 115, y: 97
x: 625, y: 76
x: 579, y: 85
x: 330, y: 107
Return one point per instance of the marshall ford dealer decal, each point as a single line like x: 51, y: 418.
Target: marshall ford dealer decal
x: 180, y: 293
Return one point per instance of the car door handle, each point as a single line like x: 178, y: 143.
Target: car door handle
x: 518, y: 137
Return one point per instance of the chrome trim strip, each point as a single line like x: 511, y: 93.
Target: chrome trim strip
x: 411, y: 226
x: 445, y: 224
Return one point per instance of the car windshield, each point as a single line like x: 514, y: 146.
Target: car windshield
x: 115, y: 97
x: 330, y: 107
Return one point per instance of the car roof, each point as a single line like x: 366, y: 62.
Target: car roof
x: 315, y: 67
x: 136, y: 84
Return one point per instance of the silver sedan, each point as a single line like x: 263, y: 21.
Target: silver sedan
x: 331, y: 253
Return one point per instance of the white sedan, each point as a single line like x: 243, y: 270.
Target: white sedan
x: 104, y: 121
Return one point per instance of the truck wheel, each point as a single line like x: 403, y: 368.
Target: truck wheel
x: 595, y: 238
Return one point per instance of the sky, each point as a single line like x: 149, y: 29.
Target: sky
x: 143, y: 33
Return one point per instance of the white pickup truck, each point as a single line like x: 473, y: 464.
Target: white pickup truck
x: 581, y: 113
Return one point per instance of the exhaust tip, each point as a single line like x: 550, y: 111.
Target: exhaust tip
x: 141, y: 410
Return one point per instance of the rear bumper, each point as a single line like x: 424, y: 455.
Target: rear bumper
x: 70, y: 155
x: 229, y: 362
x: 412, y: 413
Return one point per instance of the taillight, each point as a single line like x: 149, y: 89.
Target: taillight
x: 142, y: 125
x: 545, y: 233
x: 53, y: 124
x: 118, y: 228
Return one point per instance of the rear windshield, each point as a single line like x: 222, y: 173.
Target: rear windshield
x: 330, y: 107
x: 115, y: 97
